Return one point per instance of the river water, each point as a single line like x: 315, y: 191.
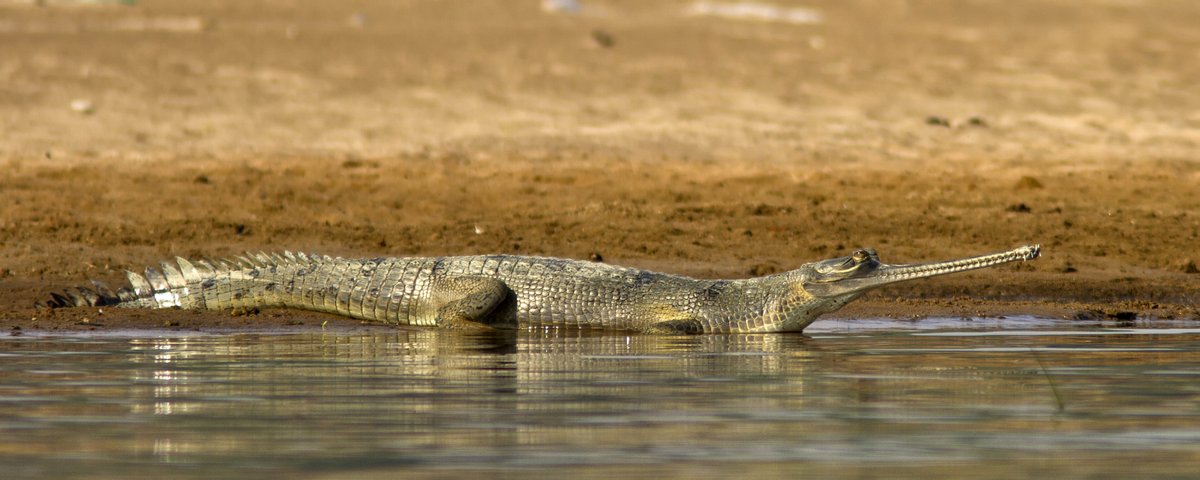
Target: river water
x: 1017, y: 397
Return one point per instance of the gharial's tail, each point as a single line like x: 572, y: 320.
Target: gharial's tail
x: 97, y: 295
x: 181, y: 283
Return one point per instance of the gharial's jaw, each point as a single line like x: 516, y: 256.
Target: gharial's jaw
x: 870, y: 273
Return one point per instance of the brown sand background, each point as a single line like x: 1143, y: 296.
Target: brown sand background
x: 692, y: 144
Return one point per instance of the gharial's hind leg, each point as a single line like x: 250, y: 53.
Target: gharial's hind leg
x: 473, y: 303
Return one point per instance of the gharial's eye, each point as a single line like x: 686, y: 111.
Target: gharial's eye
x: 860, y: 256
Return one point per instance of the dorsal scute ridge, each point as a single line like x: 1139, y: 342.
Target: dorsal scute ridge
x: 158, y: 282
x: 246, y: 261
x: 140, y: 286
x: 126, y: 295
x: 62, y: 298
x: 269, y: 259
x: 190, y: 273
x: 173, y: 276
x: 84, y: 297
x: 102, y: 289
x: 206, y: 267
x: 232, y: 263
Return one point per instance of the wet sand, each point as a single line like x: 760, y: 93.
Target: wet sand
x: 703, y: 146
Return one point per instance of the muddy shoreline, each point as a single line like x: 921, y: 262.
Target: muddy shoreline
x: 708, y: 147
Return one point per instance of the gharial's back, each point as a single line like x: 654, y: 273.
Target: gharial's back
x: 544, y: 291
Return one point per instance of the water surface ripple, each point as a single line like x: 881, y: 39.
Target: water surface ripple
x: 968, y: 398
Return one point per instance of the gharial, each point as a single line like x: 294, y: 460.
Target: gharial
x: 507, y: 291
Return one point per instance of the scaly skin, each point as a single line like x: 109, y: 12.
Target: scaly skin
x: 506, y: 291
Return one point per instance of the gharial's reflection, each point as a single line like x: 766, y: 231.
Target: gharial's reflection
x: 533, y: 398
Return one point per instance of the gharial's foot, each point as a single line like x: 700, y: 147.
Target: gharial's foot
x: 469, y: 303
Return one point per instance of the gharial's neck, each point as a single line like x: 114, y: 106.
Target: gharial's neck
x: 778, y: 303
x: 798, y: 308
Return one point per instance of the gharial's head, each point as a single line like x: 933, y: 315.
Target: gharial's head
x: 851, y: 276
x: 818, y: 288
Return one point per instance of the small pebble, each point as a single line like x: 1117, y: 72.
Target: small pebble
x: 602, y: 39
x: 83, y: 106
x: 1028, y: 183
x: 561, y: 6
x: 243, y: 311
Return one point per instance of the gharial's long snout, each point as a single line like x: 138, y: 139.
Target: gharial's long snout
x: 863, y: 271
